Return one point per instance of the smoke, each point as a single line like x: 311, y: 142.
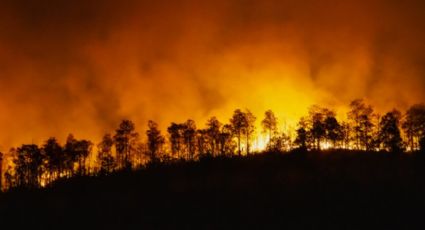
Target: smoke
x: 81, y: 66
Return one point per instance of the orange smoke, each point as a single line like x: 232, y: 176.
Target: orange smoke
x: 80, y: 67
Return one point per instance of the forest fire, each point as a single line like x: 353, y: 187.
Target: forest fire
x: 96, y: 64
x: 190, y: 114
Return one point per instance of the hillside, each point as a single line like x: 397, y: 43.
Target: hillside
x: 332, y: 189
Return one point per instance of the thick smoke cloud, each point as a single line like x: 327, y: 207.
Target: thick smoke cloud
x: 81, y: 66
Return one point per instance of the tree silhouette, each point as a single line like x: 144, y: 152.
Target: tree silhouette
x: 389, y: 134
x: 333, y: 129
x: 360, y: 115
x: 175, y: 132
x: 125, y: 143
x: 70, y: 154
x: 29, y: 166
x: 249, y: 128
x: 33, y: 166
x: 9, y: 178
x: 269, y: 124
x: 238, y: 122
x: 82, y: 150
x: 227, y: 146
x: 155, y: 141
x: 204, y: 141
x: 189, y: 136
x: 302, y: 135
x: 213, y: 133
x: 55, y: 158
x: 414, y: 125
x: 106, y: 160
x: 318, y: 129
x: 345, y: 135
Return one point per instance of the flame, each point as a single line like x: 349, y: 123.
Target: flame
x: 260, y: 143
x: 325, y: 145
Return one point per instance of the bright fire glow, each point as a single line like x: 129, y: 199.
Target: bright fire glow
x: 260, y: 143
x: 325, y: 145
x: 196, y: 59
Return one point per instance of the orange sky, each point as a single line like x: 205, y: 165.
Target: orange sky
x: 81, y: 66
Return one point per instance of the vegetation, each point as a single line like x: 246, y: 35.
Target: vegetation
x: 209, y: 178
x: 34, y: 166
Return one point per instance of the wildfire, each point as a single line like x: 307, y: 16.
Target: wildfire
x: 260, y: 143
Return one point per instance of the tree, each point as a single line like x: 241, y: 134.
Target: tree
x: 279, y: 143
x: 82, y: 150
x: 189, y: 136
x: 175, y: 137
x: 333, y: 130
x: 104, y: 157
x: 414, y: 125
x: 70, y: 154
x: 9, y: 178
x: 389, y: 132
x: 155, y: 140
x: 55, y: 158
x: 318, y: 129
x: 345, y: 135
x: 238, y: 122
x: 360, y: 116
x: 29, y: 165
x: 226, y: 142
x: 302, y: 135
x: 243, y: 124
x: 269, y: 124
x: 213, y: 133
x: 203, y: 142
x: 125, y: 143
x: 249, y: 129
x: 76, y: 152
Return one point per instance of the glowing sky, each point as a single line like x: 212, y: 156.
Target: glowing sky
x: 81, y: 66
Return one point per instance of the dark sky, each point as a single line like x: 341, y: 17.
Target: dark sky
x: 81, y: 66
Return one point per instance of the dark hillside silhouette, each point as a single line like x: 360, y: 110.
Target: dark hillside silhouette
x: 333, y: 189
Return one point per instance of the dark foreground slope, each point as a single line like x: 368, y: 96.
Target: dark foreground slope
x: 326, y: 190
